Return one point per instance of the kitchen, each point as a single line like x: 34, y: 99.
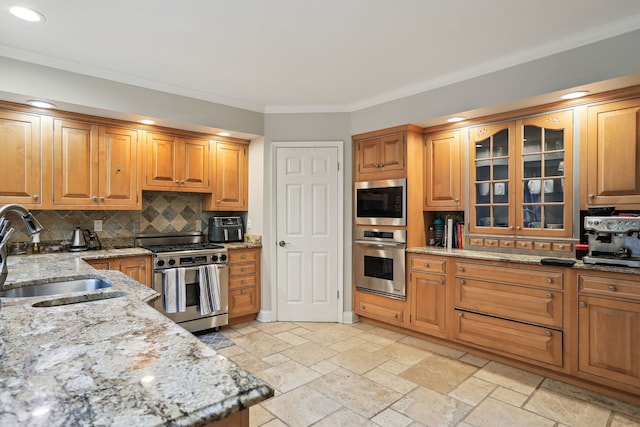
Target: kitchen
x: 18, y: 77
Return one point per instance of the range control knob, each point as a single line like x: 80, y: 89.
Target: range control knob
x: 172, y: 261
x: 160, y: 263
x: 223, y: 257
x: 214, y: 258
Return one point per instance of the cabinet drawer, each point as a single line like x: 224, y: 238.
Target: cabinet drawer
x: 240, y: 269
x: 542, y: 246
x: 609, y: 286
x: 562, y: 247
x: 427, y: 264
x: 524, y: 244
x: 380, y: 312
x: 514, y: 302
x: 492, y: 243
x: 236, y: 282
x: 476, y: 242
x: 243, y: 301
x: 242, y: 255
x: 511, y: 275
x: 507, y: 337
x: 507, y: 243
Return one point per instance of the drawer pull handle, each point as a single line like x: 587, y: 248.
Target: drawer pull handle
x: 549, y: 295
x: 583, y: 304
x: 426, y: 264
x: 548, y: 333
x: 461, y: 269
x: 612, y: 288
x: 560, y: 246
x: 462, y: 281
x: 549, y: 280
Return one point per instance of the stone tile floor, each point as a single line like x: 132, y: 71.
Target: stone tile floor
x: 328, y: 374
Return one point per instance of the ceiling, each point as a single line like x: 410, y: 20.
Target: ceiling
x: 302, y: 55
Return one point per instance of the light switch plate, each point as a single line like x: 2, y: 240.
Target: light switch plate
x: 97, y: 225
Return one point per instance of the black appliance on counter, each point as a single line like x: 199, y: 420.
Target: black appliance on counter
x: 226, y: 229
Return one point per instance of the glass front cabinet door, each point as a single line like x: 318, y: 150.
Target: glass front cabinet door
x: 518, y: 181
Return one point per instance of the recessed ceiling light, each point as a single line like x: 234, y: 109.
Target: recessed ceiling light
x: 40, y: 104
x: 223, y: 134
x: 147, y: 122
x: 26, y: 14
x: 574, y: 95
x: 455, y: 119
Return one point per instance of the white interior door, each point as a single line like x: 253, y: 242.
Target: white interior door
x: 307, y: 233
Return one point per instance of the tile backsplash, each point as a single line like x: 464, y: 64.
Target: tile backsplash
x: 162, y: 212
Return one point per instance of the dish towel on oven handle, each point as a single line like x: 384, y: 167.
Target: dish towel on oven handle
x: 174, y: 290
x: 209, y: 277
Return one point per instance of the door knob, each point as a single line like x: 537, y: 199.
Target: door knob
x: 282, y: 243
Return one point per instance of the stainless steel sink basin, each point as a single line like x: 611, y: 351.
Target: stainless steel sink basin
x: 56, y: 288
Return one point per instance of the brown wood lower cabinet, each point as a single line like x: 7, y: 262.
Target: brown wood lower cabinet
x: 136, y: 267
x: 609, y: 328
x: 244, y: 282
x: 427, y: 294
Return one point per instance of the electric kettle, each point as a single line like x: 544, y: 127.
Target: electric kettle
x: 78, y: 242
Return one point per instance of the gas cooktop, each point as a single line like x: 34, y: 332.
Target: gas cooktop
x: 180, y: 247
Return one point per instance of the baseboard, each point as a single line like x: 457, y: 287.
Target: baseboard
x: 265, y: 316
x: 349, y: 317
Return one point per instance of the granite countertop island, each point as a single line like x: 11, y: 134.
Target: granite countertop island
x: 107, y: 362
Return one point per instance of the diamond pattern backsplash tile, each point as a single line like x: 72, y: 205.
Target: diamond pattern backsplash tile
x: 162, y: 212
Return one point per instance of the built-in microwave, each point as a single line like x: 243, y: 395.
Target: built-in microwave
x: 382, y: 202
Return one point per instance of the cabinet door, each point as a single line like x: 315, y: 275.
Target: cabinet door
x: 392, y: 148
x: 613, y: 154
x: 161, y: 162
x: 443, y: 172
x: 491, y: 177
x: 369, y: 156
x: 231, y: 177
x: 381, y: 157
x: 99, y: 264
x: 243, y: 301
x: 609, y: 339
x: 544, y: 192
x: 428, y: 303
x: 118, y: 160
x: 75, y: 164
x: 20, y: 173
x: 138, y: 268
x: 195, y: 174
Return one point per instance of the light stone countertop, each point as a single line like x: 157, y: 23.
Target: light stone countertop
x: 518, y: 258
x: 107, y: 362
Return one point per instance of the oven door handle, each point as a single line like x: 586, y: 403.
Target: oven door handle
x: 381, y: 244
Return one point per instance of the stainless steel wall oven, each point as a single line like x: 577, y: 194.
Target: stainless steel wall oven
x: 379, y: 261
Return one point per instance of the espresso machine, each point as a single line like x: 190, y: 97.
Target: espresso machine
x: 613, y: 240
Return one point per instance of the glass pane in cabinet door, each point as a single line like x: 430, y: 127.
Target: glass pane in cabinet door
x: 554, y: 217
x: 482, y: 192
x: 500, y: 192
x: 483, y: 216
x: 531, y: 216
x: 554, y: 164
x: 500, y: 169
x: 532, y: 166
x: 553, y: 140
x: 553, y: 190
x: 501, y: 216
x: 532, y: 139
x: 483, y: 149
x: 501, y: 143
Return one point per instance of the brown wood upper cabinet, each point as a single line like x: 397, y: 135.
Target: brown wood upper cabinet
x: 613, y: 154
x: 175, y: 163
x: 443, y: 172
x: 20, y: 173
x: 231, y: 176
x: 380, y: 157
x: 520, y: 180
x: 95, y: 166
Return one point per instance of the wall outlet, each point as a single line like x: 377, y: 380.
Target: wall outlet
x: 97, y: 225
x: 249, y: 224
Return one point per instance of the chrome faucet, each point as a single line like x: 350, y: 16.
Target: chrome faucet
x: 31, y: 224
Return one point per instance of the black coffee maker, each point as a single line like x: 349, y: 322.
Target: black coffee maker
x: 91, y: 238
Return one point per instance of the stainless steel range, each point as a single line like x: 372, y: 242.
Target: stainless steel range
x: 188, y: 251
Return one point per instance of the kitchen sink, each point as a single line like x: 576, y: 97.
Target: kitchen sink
x: 56, y: 288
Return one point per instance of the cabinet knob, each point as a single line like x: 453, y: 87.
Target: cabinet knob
x: 36, y: 197
x: 462, y: 281
x: 518, y: 227
x: 217, y: 202
x: 242, y: 281
x: 426, y: 264
x: 395, y: 315
x: 549, y: 295
x: 101, y: 199
x: 548, y: 333
x: 583, y: 304
x: 442, y: 282
x: 182, y: 182
x: 461, y: 269
x: 591, y: 196
x: 364, y: 307
x: 549, y: 280
x: 242, y: 291
x: 456, y: 200
x: 560, y: 246
x: 612, y: 288
x: 94, y: 198
x: 243, y: 269
x: 459, y: 314
x: 142, y: 266
x: 177, y: 181
x: 511, y: 227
